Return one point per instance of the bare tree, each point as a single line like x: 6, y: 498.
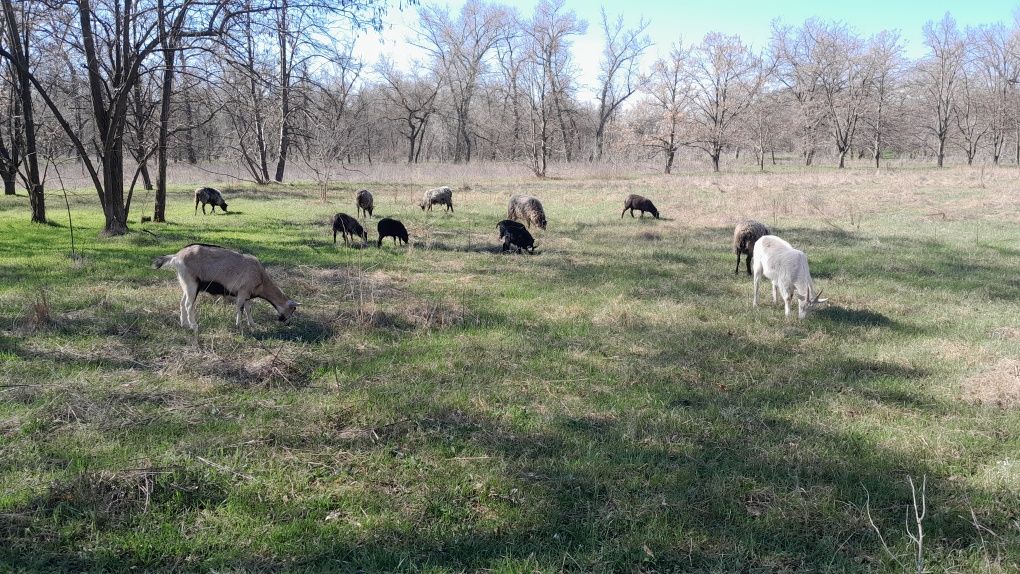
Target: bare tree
x: 459, y: 49
x: 18, y: 40
x: 414, y: 96
x: 727, y: 78
x: 619, y: 71
x: 939, y: 75
x: 885, y: 53
x: 669, y: 88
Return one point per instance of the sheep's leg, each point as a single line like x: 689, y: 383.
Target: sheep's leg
x: 737, y: 270
x: 748, y: 260
x: 334, y: 237
x: 196, y: 206
x: 624, y: 212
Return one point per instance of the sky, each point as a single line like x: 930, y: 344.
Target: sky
x: 691, y: 20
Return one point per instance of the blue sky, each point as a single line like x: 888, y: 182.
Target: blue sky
x: 671, y: 20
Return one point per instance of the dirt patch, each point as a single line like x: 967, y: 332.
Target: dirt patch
x: 998, y: 385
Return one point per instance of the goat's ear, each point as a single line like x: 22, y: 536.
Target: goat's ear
x: 293, y: 304
x: 820, y: 301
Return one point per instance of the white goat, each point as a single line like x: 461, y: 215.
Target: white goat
x: 787, y: 269
x: 220, y: 271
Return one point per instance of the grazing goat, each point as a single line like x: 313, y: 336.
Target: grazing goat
x: 440, y: 195
x: 209, y: 196
x: 514, y: 235
x: 220, y: 271
x: 391, y: 228
x: 365, y: 203
x: 747, y: 232
x: 787, y: 269
x: 526, y: 208
x: 640, y: 203
x: 348, y: 227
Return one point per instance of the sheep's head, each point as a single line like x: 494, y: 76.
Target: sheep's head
x: 223, y: 204
x: 807, y: 304
x: 364, y: 235
x: 288, y: 310
x: 655, y: 212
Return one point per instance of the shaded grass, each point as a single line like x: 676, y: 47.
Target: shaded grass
x: 611, y: 404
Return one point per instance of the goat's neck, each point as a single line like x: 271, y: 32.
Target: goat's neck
x: 270, y: 292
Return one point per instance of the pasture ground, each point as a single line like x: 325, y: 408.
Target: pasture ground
x: 612, y: 404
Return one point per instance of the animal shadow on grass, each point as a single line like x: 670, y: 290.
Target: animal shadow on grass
x: 860, y: 317
x: 467, y: 248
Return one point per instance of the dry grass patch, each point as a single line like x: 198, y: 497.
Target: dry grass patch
x: 998, y: 385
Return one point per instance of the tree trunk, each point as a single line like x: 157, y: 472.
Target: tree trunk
x: 113, y: 183
x: 942, y: 151
x: 19, y: 48
x: 670, y: 155
x: 159, y: 210
x: 10, y: 183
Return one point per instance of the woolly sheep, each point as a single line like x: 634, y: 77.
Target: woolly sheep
x: 640, y: 203
x: 391, y: 228
x: 219, y: 271
x: 526, y: 208
x: 347, y: 226
x: 787, y: 269
x: 208, y: 195
x: 365, y: 203
x: 440, y: 195
x: 516, y: 236
x: 746, y: 233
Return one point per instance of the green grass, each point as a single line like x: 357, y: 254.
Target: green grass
x: 609, y: 404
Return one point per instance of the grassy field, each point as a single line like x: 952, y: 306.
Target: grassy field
x: 611, y: 404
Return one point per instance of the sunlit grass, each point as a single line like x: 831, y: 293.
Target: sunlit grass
x: 609, y: 404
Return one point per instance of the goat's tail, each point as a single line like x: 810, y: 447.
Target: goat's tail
x: 160, y: 261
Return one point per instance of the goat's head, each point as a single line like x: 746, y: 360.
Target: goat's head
x: 807, y: 304
x: 288, y: 310
x: 364, y: 235
x: 223, y: 205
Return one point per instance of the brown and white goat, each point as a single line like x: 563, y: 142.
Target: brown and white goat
x: 218, y: 271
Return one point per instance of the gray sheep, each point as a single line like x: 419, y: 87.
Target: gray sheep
x: 440, y: 195
x: 527, y: 209
x: 365, y: 202
x: 209, y: 196
x: 745, y: 235
x: 640, y: 203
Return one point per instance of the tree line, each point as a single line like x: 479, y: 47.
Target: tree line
x: 123, y: 88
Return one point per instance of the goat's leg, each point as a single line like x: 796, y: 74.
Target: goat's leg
x: 624, y: 212
x: 193, y: 308
x: 787, y: 299
x: 241, y: 310
x: 184, y: 307
x: 774, y: 289
x: 757, y: 279
x: 196, y: 206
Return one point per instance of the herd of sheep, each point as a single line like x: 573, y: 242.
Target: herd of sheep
x: 222, y: 272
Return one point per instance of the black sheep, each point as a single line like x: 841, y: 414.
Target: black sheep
x: 515, y: 235
x: 640, y: 203
x: 348, y: 226
x: 209, y: 196
x: 391, y: 228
